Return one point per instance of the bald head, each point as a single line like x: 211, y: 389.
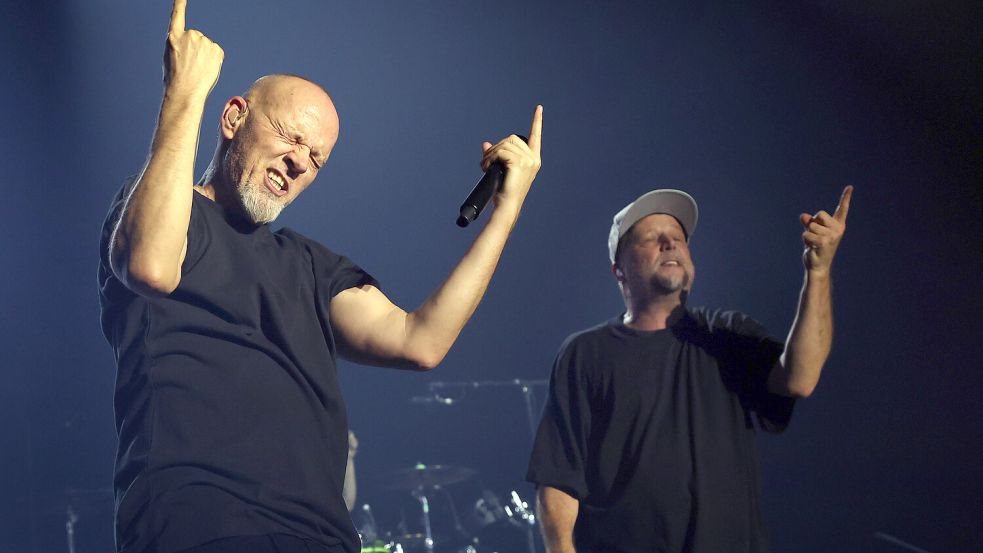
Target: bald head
x: 302, y: 96
x: 273, y: 142
x: 272, y: 82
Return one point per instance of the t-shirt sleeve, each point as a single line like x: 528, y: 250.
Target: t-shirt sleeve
x: 111, y: 290
x: 559, y: 452
x: 199, y: 236
x: 758, y: 353
x: 335, y: 273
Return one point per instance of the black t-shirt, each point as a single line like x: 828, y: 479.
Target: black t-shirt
x: 228, y: 410
x: 653, y: 433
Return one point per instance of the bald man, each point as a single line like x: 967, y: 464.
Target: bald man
x: 232, y: 429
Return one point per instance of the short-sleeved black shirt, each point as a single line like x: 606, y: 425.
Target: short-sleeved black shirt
x: 228, y: 410
x: 653, y: 433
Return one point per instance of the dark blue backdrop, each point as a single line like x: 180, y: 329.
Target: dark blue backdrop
x: 759, y: 109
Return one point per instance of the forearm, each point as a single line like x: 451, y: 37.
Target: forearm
x: 809, y: 340
x: 433, y: 327
x: 557, y: 512
x: 371, y: 329
x: 349, y: 491
x: 153, y: 227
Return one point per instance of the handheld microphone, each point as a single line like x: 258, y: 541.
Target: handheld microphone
x: 482, y: 192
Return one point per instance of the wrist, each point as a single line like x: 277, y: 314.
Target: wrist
x: 818, y: 276
x: 505, y: 213
x: 184, y: 98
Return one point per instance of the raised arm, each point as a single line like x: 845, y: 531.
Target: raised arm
x: 150, y: 238
x: 811, y: 336
x: 557, y: 512
x: 374, y: 331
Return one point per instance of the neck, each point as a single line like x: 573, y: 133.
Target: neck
x: 213, y: 186
x: 208, y: 181
x: 652, y: 313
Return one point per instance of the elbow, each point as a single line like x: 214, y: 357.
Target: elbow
x: 800, y: 390
x: 150, y: 279
x: 425, y: 363
x: 425, y: 358
x: 142, y: 273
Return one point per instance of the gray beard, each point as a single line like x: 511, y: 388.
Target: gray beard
x: 670, y: 285
x: 257, y: 205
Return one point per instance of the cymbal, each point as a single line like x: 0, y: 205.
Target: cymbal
x: 424, y: 476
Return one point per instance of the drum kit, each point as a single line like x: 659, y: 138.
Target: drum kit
x: 444, y: 519
x: 445, y: 509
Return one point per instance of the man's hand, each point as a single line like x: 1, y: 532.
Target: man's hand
x: 521, y: 161
x: 811, y: 336
x: 192, y: 62
x: 371, y: 330
x: 352, y: 445
x: 822, y: 235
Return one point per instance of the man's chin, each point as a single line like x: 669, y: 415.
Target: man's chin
x: 670, y: 285
x: 259, y: 212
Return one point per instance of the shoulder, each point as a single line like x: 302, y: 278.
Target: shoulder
x: 719, y: 320
x: 328, y: 266
x: 290, y: 238
x: 589, y: 336
x: 581, y: 350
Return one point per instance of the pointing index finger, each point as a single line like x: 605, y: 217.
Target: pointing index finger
x: 844, y: 207
x: 536, y: 131
x: 177, y: 16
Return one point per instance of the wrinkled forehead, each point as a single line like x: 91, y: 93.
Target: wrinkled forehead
x: 299, y: 105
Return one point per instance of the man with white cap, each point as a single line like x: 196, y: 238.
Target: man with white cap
x: 647, y: 439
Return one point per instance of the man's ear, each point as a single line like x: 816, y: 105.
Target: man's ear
x: 619, y: 275
x: 233, y: 116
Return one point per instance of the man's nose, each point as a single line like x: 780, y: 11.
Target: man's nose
x: 666, y: 243
x: 297, y: 161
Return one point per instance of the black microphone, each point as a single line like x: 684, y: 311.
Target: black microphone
x: 482, y: 192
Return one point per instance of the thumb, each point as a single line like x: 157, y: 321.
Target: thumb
x: 805, y: 219
x: 485, y: 146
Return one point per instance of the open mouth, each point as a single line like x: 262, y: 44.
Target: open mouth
x: 276, y: 183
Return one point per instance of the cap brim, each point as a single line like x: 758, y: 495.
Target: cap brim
x: 677, y: 203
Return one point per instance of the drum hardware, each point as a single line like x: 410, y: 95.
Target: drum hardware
x: 522, y: 511
x: 490, y: 523
x: 72, y: 519
x: 526, y: 387
x: 76, y: 505
x: 425, y: 477
x: 421, y: 481
x: 425, y: 506
x: 518, y: 513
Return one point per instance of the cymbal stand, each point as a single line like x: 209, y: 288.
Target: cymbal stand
x: 70, y: 521
x: 425, y: 506
x: 521, y: 510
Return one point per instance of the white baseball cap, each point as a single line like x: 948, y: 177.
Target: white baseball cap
x: 673, y: 202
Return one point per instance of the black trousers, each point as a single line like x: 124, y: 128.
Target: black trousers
x: 271, y: 543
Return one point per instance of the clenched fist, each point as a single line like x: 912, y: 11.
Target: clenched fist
x: 192, y: 62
